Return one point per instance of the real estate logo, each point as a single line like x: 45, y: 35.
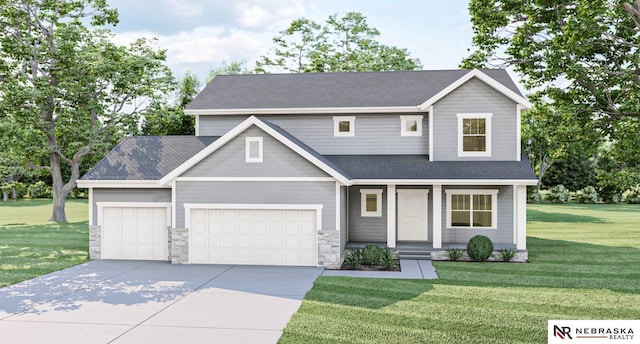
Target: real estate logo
x: 593, y: 331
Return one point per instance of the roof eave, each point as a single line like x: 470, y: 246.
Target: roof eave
x: 446, y: 181
x: 306, y: 110
x: 143, y: 184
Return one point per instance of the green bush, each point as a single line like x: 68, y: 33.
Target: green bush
x: 39, y: 190
x: 352, y: 258
x: 507, y: 254
x: 533, y: 197
x: 454, y: 253
x: 632, y: 196
x: 588, y: 195
x: 388, y: 258
x: 479, y: 248
x: 558, y: 194
x: 371, y: 254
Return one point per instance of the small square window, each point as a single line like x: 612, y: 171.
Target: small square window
x: 411, y: 125
x: 371, y: 200
x: 253, y: 149
x: 344, y: 125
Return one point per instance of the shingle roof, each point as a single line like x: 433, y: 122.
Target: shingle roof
x: 419, y: 167
x: 321, y: 90
x: 147, y: 157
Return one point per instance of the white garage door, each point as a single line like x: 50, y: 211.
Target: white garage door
x: 254, y: 236
x: 134, y: 232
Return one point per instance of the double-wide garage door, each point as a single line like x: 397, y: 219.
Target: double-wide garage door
x: 253, y: 236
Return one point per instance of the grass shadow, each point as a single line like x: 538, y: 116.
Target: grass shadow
x: 554, y: 217
x: 367, y: 292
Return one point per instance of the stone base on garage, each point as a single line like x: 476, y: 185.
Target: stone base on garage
x: 329, y: 249
x: 95, y: 242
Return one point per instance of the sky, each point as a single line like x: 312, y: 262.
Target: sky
x: 200, y: 35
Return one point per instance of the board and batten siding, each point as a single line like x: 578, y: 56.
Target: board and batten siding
x: 323, y: 193
x: 503, y: 234
x: 475, y: 97
x: 278, y: 160
x: 366, y: 228
x: 128, y: 195
x: 316, y: 131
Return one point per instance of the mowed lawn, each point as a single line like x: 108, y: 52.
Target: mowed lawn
x: 584, y: 264
x: 31, y: 246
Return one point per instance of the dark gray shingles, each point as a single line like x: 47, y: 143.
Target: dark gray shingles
x: 419, y: 167
x: 316, y: 90
x: 147, y: 157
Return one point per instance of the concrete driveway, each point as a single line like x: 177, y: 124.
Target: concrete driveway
x: 154, y: 302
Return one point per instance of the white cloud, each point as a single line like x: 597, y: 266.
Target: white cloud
x: 268, y: 14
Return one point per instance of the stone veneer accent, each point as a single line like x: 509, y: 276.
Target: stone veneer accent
x: 329, y: 249
x: 95, y: 242
x: 179, y: 251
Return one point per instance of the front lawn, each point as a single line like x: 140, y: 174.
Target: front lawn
x: 584, y: 264
x: 31, y: 246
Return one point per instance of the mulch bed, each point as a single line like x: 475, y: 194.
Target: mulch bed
x: 363, y: 267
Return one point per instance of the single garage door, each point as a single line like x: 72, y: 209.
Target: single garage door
x: 135, y: 232
x: 254, y: 236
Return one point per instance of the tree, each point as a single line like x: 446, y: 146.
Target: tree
x: 164, y: 118
x: 342, y: 44
x: 550, y: 134
x: 583, y: 53
x: 232, y: 68
x: 65, y: 80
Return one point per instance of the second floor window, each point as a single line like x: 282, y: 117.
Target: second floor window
x: 474, y: 134
x: 344, y: 125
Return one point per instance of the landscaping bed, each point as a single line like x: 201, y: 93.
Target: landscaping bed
x: 371, y: 258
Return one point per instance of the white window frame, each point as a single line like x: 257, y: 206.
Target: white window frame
x: 248, y: 142
x: 403, y: 125
x: 352, y: 126
x: 363, y: 202
x: 487, y: 134
x: 471, y: 192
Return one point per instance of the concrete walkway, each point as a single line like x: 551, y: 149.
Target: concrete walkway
x: 154, y: 302
x: 411, y: 269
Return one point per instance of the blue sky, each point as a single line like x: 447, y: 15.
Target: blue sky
x: 201, y: 34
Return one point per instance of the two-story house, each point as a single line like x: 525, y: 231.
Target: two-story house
x: 289, y: 169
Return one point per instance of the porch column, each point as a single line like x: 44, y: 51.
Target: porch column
x: 391, y: 215
x: 437, y: 216
x: 521, y: 217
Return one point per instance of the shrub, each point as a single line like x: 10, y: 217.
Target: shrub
x: 507, y: 254
x: 558, y: 194
x: 388, y: 258
x: 352, y: 258
x: 588, y: 195
x: 533, y: 197
x: 479, y: 248
x: 371, y: 254
x: 454, y: 253
x: 632, y: 196
x: 39, y: 190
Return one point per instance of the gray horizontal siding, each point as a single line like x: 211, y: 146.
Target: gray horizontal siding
x: 366, y: 229
x: 503, y: 234
x: 278, y: 160
x: 316, y: 131
x: 474, y: 97
x: 259, y: 193
x: 128, y: 195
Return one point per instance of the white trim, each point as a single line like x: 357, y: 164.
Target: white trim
x: 315, y: 110
x: 437, y: 215
x: 255, y: 179
x: 197, y: 129
x: 519, y: 109
x: 102, y: 205
x: 391, y: 215
x: 521, y: 243
x: 248, y: 142
x: 336, y: 126
x: 487, y: 134
x: 317, y: 207
x: 515, y: 214
x: 487, y: 80
x: 141, y: 184
x: 173, y: 204
x: 363, y: 202
x: 430, y: 109
x: 231, y: 134
x: 90, y: 196
x: 446, y: 181
x: 403, y: 125
x: 472, y: 192
x: 338, y: 209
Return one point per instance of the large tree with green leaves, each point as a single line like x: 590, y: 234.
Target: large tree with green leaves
x: 581, y: 53
x: 166, y: 116
x: 63, y: 78
x: 343, y: 44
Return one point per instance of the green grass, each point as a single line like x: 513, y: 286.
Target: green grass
x: 584, y: 264
x: 31, y: 246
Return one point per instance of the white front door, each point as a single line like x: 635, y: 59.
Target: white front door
x: 412, y: 214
